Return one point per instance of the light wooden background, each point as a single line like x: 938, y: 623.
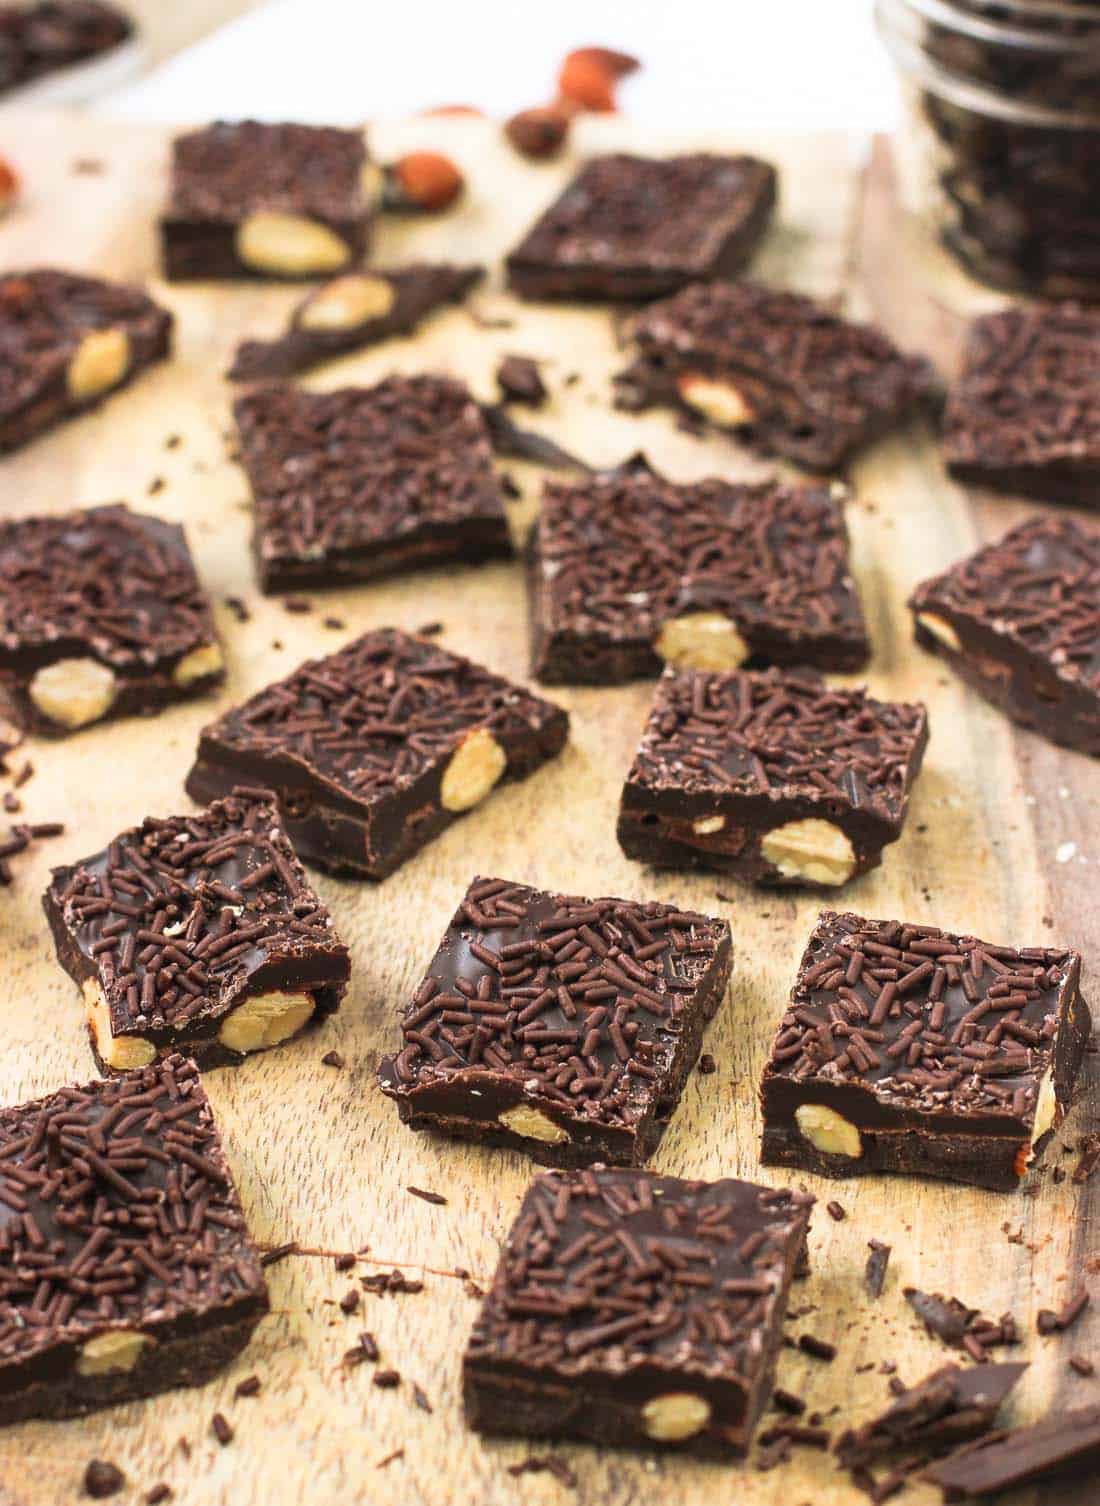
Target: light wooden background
x: 319, y: 1154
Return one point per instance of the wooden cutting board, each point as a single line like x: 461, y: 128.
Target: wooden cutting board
x: 318, y: 1153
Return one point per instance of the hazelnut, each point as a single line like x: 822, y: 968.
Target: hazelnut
x: 1046, y: 1109
x: 477, y: 764
x: 589, y: 75
x: 264, y: 1020
x: 109, y: 1353
x: 426, y: 181
x: 538, y: 134
x: 99, y: 363
x: 73, y: 692
x: 828, y: 1131
x: 202, y: 661
x: 532, y: 1124
x: 347, y: 302
x: 815, y: 851
x: 719, y: 401
x: 123, y: 1053
x: 289, y: 245
x: 701, y: 640
x: 675, y: 1415
x: 940, y: 629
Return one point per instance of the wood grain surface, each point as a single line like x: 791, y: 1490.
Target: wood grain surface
x: 318, y: 1153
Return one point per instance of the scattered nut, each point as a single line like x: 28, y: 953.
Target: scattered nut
x: 720, y: 401
x: 828, y: 1131
x: 538, y: 134
x: 73, y: 692
x: 813, y: 850
x: 9, y: 185
x: 111, y: 1352
x: 701, y: 640
x: 533, y: 1124
x: 675, y: 1415
x: 205, y: 660
x: 589, y: 75
x: 101, y: 361
x: 476, y: 765
x: 706, y: 826
x: 289, y: 245
x: 347, y: 302
x: 122, y: 1052
x: 423, y: 180
x: 940, y: 628
x: 264, y: 1020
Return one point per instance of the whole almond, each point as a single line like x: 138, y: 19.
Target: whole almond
x: 589, y: 75
x: 423, y: 180
x: 538, y: 133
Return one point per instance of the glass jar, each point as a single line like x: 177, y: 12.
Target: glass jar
x: 1002, y: 146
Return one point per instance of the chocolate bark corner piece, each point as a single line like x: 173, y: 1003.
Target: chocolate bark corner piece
x: 560, y: 1026
x: 1064, y: 1446
x: 101, y: 1303
x: 1019, y: 621
x: 1024, y: 416
x: 376, y: 749
x: 196, y: 932
x: 630, y: 227
x: 906, y: 1048
x: 786, y: 374
x: 773, y: 777
x: 101, y: 616
x: 636, y: 1310
x: 250, y: 199
x: 362, y: 482
x: 629, y: 572
x: 936, y: 1414
x: 66, y: 343
x: 351, y: 312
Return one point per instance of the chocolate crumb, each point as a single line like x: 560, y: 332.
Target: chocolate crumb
x: 157, y: 1494
x: 250, y: 1386
x: 369, y: 1347
x: 398, y: 1453
x: 280, y: 1252
x: 787, y: 1401
x: 103, y: 1479
x: 238, y: 608
x: 874, y: 1277
x: 429, y: 630
x: 428, y: 1197
x: 335, y: 623
x: 390, y: 1281
x: 349, y: 1302
x: 421, y: 1399
x: 835, y: 1211
x: 344, y: 1262
x: 332, y: 1059
x: 1048, y: 1322
x: 510, y: 487
x: 796, y: 1433
x: 1082, y: 1365
x: 173, y: 441
x: 545, y: 1464
x: 1090, y: 1159
x: 12, y: 802
x: 520, y: 381
x: 156, y: 485
x: 707, y: 1064
x: 818, y: 1349
x: 221, y: 1429
x: 297, y: 604
x: 387, y: 1379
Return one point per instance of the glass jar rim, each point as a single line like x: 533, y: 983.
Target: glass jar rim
x: 968, y: 23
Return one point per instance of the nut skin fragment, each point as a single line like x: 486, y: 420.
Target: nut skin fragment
x: 113, y: 1352
x: 828, y: 1131
x: 121, y: 1052
x: 940, y: 629
x: 290, y: 245
x: 675, y: 1415
x: 813, y: 850
x: 702, y: 640
x: 533, y: 1124
x: 265, y: 1020
x: 476, y: 765
x: 73, y: 692
x: 205, y: 660
x: 707, y: 826
x: 348, y: 302
x: 720, y: 402
x: 101, y: 361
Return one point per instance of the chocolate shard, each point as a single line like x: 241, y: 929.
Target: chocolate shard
x: 938, y: 1412
x: 515, y: 443
x: 1064, y: 1446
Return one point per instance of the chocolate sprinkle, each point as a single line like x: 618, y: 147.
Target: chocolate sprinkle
x: 874, y: 1277
x: 103, y: 1479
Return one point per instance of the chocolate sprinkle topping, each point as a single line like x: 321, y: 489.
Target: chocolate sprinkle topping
x: 225, y: 170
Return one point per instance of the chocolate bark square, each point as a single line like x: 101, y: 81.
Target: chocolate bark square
x: 351, y: 312
x: 629, y: 572
x: 637, y: 1310
x: 197, y: 932
x: 250, y: 199
x: 783, y: 372
x: 906, y: 1048
x: 560, y: 1026
x: 101, y: 616
x: 1024, y: 415
x: 125, y: 1265
x: 362, y: 482
x: 1020, y: 622
x: 66, y: 343
x: 376, y: 749
x: 641, y: 227
x: 774, y: 777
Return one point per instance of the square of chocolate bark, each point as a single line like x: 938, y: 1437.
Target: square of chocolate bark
x: 251, y: 199
x: 66, y: 342
x: 560, y: 1026
x: 125, y: 1265
x: 1024, y: 415
x: 101, y: 615
x: 198, y: 933
x: 637, y: 1310
x: 774, y: 777
x: 1019, y: 621
x: 351, y: 312
x: 906, y: 1048
x: 640, y: 227
x: 362, y: 482
x: 376, y: 749
x: 782, y: 372
x: 629, y: 572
